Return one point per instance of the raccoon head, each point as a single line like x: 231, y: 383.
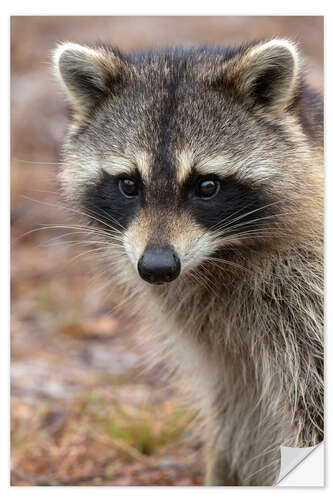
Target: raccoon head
x: 180, y: 154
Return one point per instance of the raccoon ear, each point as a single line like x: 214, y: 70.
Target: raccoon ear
x: 266, y: 74
x: 87, y: 74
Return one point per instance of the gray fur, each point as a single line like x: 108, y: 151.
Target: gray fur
x: 243, y: 324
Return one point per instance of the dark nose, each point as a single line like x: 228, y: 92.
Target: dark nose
x: 159, y: 265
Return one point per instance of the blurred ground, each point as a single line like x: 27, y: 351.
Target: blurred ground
x: 84, y: 410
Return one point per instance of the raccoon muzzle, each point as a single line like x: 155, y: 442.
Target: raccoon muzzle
x: 159, y: 265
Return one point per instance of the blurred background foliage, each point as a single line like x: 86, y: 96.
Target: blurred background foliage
x: 85, y: 409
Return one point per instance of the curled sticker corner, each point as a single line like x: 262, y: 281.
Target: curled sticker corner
x: 292, y: 457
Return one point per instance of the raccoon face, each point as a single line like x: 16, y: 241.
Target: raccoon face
x: 180, y: 154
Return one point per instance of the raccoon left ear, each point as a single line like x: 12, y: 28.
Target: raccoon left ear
x: 266, y: 74
x: 88, y: 74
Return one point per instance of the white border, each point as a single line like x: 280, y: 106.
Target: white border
x: 283, y: 7
x: 170, y: 8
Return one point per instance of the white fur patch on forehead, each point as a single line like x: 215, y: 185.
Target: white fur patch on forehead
x: 246, y: 168
x: 184, y: 164
x: 143, y: 161
x: 224, y: 165
x: 118, y: 164
x: 219, y: 165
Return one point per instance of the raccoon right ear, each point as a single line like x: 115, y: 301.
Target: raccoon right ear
x: 88, y: 74
x: 266, y: 74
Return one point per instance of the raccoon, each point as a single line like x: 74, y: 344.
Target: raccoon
x: 200, y: 171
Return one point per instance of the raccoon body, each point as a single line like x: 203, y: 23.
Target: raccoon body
x: 200, y: 171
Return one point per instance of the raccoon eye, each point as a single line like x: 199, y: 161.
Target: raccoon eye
x: 208, y: 188
x: 128, y: 188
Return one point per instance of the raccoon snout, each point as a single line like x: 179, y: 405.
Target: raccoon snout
x: 159, y: 265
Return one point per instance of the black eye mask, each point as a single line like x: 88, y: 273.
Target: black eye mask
x: 234, y: 200
x: 235, y: 205
x: 106, y: 202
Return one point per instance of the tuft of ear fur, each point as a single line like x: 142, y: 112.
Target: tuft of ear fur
x: 88, y: 74
x: 266, y: 74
